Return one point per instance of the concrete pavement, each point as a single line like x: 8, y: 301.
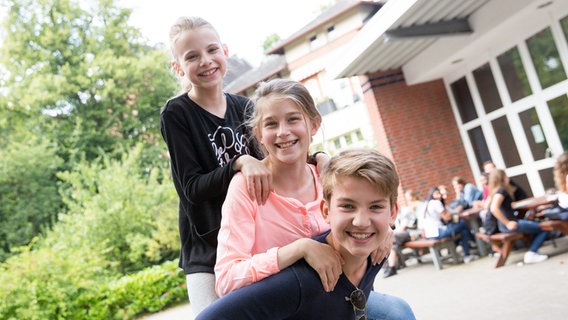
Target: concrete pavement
x: 475, y: 291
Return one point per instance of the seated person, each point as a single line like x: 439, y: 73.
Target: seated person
x: 466, y: 195
x: 359, y: 202
x: 406, y: 229
x: 438, y: 223
x: 559, y: 210
x: 502, y: 195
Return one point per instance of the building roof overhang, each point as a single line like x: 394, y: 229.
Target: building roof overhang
x: 425, y: 38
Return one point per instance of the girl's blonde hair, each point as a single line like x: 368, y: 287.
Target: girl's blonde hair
x: 497, y: 179
x: 561, y: 171
x: 182, y: 25
x: 282, y: 89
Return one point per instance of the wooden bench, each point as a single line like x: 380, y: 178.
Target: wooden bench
x: 435, y: 247
x: 505, y: 241
x: 559, y: 225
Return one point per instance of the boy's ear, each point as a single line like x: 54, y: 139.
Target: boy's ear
x: 393, y: 214
x: 226, y: 49
x: 325, y: 210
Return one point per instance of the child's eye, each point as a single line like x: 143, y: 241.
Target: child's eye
x: 270, y: 124
x: 213, y: 50
x: 376, y: 207
x: 346, y: 206
x: 190, y: 57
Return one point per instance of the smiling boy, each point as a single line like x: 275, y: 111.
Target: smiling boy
x: 359, y: 202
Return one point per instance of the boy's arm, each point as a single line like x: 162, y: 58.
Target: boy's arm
x: 276, y: 297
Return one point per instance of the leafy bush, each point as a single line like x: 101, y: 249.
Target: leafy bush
x: 150, y: 290
x: 129, y: 212
x: 63, y: 288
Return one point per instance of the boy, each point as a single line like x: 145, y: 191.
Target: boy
x: 359, y: 202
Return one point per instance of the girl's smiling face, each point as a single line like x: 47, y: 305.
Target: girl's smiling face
x: 284, y: 130
x: 200, y: 57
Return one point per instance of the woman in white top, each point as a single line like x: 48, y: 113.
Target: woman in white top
x: 438, y: 223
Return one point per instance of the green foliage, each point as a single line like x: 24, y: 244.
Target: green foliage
x: 85, y: 195
x: 82, y: 76
x: 120, y: 219
x: 271, y: 41
x: 29, y: 198
x: 147, y: 291
x: 46, y: 283
x: 121, y: 207
x: 60, y: 287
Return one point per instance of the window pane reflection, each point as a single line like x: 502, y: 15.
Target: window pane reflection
x: 479, y: 145
x: 564, y: 24
x: 534, y: 133
x: 545, y: 58
x: 487, y: 88
x: 523, y: 182
x: 547, y: 178
x: 559, y: 111
x: 514, y: 74
x: 506, y: 142
x: 464, y: 102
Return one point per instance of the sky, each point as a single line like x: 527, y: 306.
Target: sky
x: 242, y: 24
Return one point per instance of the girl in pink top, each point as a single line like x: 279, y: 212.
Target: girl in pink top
x: 256, y: 241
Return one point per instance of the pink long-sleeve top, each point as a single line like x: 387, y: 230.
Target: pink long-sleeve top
x: 250, y: 234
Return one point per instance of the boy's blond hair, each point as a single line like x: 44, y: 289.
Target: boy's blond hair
x: 368, y: 164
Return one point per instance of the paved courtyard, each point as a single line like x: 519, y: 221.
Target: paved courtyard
x: 474, y: 291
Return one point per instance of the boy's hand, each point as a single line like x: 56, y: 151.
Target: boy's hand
x: 384, y: 248
x: 257, y: 176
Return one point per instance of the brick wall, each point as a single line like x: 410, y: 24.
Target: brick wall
x: 415, y: 126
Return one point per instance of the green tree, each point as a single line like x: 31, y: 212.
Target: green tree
x: 29, y: 197
x: 80, y: 75
x: 271, y: 41
x: 128, y: 212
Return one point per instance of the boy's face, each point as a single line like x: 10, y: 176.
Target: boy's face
x: 359, y: 217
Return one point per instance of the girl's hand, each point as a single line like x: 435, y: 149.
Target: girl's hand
x: 446, y: 216
x: 511, y: 225
x: 257, y: 176
x: 322, y: 159
x: 326, y: 262
x: 384, y: 248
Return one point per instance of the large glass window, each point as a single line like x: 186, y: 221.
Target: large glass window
x: 479, y: 145
x: 534, y: 134
x: 487, y: 88
x: 559, y: 111
x: 464, y: 101
x: 547, y: 178
x: 514, y: 74
x: 506, y: 142
x: 545, y: 58
x: 523, y: 182
x: 564, y: 24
